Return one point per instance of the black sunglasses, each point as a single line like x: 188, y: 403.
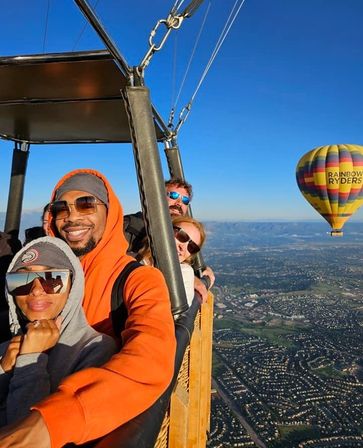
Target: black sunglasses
x: 85, y: 205
x: 21, y: 283
x: 182, y: 236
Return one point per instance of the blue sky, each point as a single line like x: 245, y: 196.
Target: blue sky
x: 287, y: 79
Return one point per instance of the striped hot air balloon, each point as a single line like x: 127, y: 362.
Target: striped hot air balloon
x: 331, y: 180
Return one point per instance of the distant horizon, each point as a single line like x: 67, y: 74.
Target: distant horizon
x: 353, y: 219
x: 254, y: 229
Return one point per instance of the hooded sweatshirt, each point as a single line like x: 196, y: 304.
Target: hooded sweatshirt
x: 95, y: 401
x: 36, y: 375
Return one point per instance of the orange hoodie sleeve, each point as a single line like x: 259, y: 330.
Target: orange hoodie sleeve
x: 93, y: 402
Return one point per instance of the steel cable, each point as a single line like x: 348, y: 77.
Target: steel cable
x: 219, y: 43
x: 84, y: 28
x: 46, y: 26
x: 192, y: 55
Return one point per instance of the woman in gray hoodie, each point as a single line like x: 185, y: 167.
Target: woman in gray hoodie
x: 51, y: 337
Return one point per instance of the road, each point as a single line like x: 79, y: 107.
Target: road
x: 238, y: 415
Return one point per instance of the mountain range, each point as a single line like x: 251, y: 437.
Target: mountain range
x: 224, y: 234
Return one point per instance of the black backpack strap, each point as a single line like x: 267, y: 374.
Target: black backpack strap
x: 134, y: 231
x: 118, y: 308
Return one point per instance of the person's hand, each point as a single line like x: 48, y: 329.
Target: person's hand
x: 29, y: 432
x: 209, y: 273
x: 8, y: 360
x: 200, y: 288
x: 41, y: 335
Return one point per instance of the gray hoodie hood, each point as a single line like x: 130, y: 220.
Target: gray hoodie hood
x: 72, y: 313
x: 36, y: 375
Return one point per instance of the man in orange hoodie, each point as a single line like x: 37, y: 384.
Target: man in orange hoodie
x: 86, y: 213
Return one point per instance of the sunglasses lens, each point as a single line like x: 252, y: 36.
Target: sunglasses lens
x: 21, y: 283
x: 85, y: 205
x: 173, y: 195
x: 185, y: 200
x: 21, y: 290
x: 180, y: 235
x: 193, y: 248
x: 59, y: 209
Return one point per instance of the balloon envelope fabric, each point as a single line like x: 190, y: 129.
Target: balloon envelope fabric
x: 331, y: 180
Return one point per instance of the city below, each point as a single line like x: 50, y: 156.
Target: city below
x: 288, y: 336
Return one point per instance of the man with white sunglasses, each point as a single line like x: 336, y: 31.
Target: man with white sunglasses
x: 179, y: 194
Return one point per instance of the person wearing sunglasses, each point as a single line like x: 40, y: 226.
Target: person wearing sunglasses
x: 189, y: 237
x: 179, y: 194
x: 86, y: 213
x: 51, y: 337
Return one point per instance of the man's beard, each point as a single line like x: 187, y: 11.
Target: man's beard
x: 175, y: 210
x: 80, y: 251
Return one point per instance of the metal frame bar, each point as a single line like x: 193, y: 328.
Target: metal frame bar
x: 100, y: 30
x: 175, y: 166
x: 152, y: 192
x: 55, y: 57
x: 173, y: 159
x: 16, y: 189
x: 119, y: 59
